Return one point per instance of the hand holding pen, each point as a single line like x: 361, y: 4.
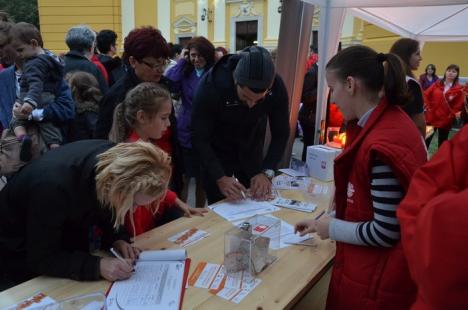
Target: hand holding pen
x: 320, y: 224
x: 113, y: 269
x: 231, y: 188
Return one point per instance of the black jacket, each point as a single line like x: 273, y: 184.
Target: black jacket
x: 41, y: 74
x: 47, y: 209
x: 229, y: 135
x: 75, y: 61
x: 114, y: 67
x: 117, y: 94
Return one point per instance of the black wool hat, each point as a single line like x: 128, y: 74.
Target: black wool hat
x: 255, y: 69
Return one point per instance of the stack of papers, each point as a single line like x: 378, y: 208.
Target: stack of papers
x: 238, y: 210
x: 289, y: 182
x: 295, y: 204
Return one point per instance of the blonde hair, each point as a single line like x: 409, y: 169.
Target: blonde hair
x: 147, y: 97
x: 127, y: 169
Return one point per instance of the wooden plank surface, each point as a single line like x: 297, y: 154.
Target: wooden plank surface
x: 284, y: 283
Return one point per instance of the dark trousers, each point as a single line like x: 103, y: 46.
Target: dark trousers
x: 308, y: 129
x: 442, y: 136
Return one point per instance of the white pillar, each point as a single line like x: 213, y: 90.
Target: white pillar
x: 274, y: 19
x: 220, y: 22
x: 202, y: 25
x: 127, y: 11
x: 164, y: 18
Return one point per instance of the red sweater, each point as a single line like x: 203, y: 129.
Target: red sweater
x: 145, y: 217
x: 433, y: 219
x: 101, y: 68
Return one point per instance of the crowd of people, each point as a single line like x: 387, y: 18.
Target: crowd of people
x: 120, y: 139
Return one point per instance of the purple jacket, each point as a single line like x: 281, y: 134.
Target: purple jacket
x: 425, y: 83
x: 187, y: 86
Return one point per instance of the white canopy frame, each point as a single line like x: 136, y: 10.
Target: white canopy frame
x: 423, y: 20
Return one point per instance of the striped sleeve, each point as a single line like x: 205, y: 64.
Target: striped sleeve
x: 386, y: 193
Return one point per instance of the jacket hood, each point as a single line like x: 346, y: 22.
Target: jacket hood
x: 55, y: 63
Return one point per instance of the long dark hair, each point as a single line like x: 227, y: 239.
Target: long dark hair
x: 433, y: 69
x: 374, y: 70
x: 205, y: 48
x: 404, y: 48
x: 451, y: 67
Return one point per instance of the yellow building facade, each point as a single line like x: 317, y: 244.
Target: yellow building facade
x: 228, y: 23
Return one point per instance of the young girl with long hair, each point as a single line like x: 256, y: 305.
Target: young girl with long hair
x: 371, y: 177
x: 144, y: 115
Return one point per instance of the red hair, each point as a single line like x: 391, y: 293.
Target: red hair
x: 145, y: 42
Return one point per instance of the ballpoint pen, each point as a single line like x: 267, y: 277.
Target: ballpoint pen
x: 320, y: 215
x: 242, y: 192
x: 118, y: 256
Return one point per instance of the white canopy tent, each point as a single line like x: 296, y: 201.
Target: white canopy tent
x: 423, y: 20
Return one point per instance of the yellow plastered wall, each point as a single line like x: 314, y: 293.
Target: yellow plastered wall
x: 441, y: 54
x: 57, y: 16
x: 145, y: 13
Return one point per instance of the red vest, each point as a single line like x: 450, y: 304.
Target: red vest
x: 433, y: 218
x: 441, y: 108
x: 373, y: 277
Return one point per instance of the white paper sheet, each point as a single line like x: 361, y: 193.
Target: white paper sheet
x: 237, y: 210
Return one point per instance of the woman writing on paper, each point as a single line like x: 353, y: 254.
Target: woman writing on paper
x: 144, y: 115
x: 371, y: 177
x: 72, y: 191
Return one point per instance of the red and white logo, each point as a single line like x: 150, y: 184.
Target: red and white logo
x: 350, y: 190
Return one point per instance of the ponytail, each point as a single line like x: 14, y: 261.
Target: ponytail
x: 395, y: 86
x: 376, y: 71
x: 119, y: 128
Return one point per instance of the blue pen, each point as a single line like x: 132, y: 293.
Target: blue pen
x: 320, y: 215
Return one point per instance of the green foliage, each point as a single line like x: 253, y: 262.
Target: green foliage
x: 21, y: 10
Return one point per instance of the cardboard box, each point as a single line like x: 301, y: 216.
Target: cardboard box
x: 320, y: 160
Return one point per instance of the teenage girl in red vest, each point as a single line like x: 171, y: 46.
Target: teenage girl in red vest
x: 144, y: 115
x: 372, y: 174
x: 444, y: 101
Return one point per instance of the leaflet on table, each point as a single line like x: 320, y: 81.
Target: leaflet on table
x: 287, y: 236
x: 317, y: 189
x: 38, y: 301
x: 294, y: 204
x: 231, y: 287
x: 293, y: 173
x: 189, y: 237
x: 237, y: 210
x: 288, y: 182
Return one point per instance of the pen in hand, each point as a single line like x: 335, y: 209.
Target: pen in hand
x: 320, y: 215
x: 242, y: 192
x: 114, y: 252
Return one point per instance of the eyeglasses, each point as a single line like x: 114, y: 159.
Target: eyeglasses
x: 157, y: 66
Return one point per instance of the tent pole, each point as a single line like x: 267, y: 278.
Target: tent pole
x: 293, y: 47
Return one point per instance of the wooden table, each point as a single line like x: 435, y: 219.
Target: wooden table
x: 284, y: 283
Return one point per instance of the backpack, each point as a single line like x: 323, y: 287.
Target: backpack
x: 10, y: 149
